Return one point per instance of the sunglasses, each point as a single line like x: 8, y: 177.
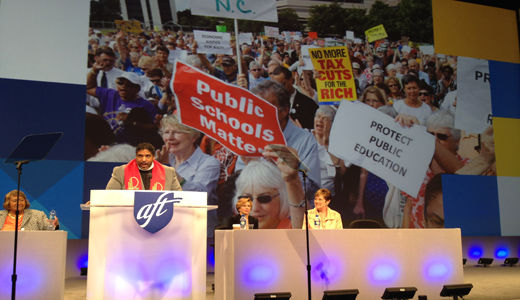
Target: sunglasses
x: 262, y: 198
x: 423, y: 94
x: 440, y: 136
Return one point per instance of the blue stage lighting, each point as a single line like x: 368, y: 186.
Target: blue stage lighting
x: 384, y: 272
x: 501, y: 252
x: 475, y: 252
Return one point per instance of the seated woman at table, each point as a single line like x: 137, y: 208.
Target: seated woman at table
x: 243, y: 206
x: 321, y: 216
x: 28, y: 219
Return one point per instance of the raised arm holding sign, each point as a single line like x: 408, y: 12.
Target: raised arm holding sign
x: 236, y: 118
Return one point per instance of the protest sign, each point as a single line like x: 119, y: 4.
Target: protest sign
x: 221, y: 28
x: 375, y: 33
x: 330, y: 42
x: 336, y: 81
x: 231, y: 115
x: 213, y: 42
x: 307, y: 57
x: 313, y: 34
x: 271, y: 31
x: 427, y: 49
x: 132, y: 26
x: 177, y: 54
x: 406, y: 49
x: 473, y: 112
x: 350, y: 35
x: 358, y: 41
x: 290, y: 36
x: 245, y: 38
x: 372, y: 140
x: 254, y: 10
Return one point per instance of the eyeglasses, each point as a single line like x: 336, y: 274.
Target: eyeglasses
x: 262, y: 198
x: 172, y: 132
x: 424, y: 94
x: 440, y: 136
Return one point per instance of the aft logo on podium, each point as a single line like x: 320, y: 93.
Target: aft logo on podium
x: 153, y: 210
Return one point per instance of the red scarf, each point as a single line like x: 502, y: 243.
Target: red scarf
x: 133, y: 177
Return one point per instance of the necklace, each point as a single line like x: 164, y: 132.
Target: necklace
x: 14, y: 217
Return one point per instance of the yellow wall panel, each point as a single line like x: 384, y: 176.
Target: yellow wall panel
x: 507, y: 146
x: 472, y: 30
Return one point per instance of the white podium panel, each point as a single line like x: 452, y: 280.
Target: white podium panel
x: 275, y: 260
x: 128, y: 262
x: 40, y: 264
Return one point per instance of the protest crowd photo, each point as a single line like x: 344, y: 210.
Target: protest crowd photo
x: 215, y: 107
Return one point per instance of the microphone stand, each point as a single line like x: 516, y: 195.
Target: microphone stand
x: 304, y: 175
x: 14, y: 276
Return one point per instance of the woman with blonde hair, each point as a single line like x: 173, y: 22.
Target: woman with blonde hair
x: 28, y: 219
x: 394, y: 86
x: 243, y: 207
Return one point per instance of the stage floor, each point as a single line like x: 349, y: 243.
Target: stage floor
x: 494, y: 282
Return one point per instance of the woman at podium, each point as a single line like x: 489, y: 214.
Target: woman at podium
x: 28, y: 219
x: 321, y: 216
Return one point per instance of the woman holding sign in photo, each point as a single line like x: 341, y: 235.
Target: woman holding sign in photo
x: 445, y: 160
x: 372, y: 189
x: 276, y: 191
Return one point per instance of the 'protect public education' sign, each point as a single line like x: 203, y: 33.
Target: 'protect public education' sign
x: 473, y: 113
x: 336, y: 81
x: 372, y: 140
x: 231, y: 115
x: 255, y: 10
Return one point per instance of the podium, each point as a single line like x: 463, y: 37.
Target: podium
x: 128, y: 262
x: 40, y: 266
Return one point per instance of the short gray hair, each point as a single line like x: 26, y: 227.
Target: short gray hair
x: 194, y: 60
x: 253, y: 64
x: 443, y: 118
x: 171, y: 121
x: 266, y: 87
x: 326, y: 110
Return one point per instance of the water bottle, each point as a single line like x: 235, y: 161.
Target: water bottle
x: 243, y: 222
x: 317, y: 221
x: 52, y: 216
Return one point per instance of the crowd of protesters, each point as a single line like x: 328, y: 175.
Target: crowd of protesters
x: 128, y: 96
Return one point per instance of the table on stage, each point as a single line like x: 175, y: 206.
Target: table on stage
x: 275, y: 260
x: 128, y: 262
x: 40, y: 264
